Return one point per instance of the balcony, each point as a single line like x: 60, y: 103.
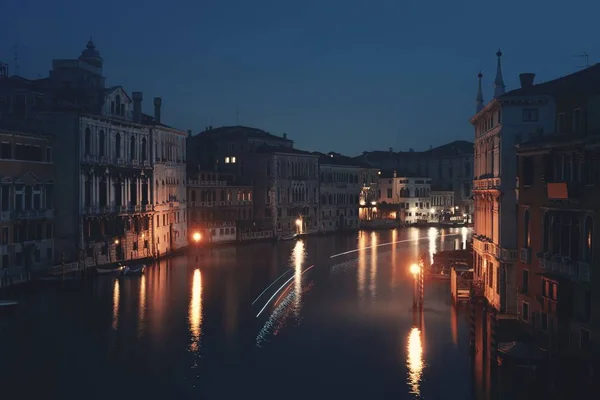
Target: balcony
x: 90, y: 158
x: 104, y: 160
x: 146, y: 163
x: 576, y: 271
x: 4, y: 215
x: 525, y: 255
x: 28, y: 214
x: 135, y: 163
x: 147, y: 207
x: 486, y: 184
x: 91, y: 210
x: 120, y: 161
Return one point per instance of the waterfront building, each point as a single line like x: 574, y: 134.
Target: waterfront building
x: 220, y: 209
x: 286, y: 198
x: 450, y: 168
x: 369, y: 194
x: 341, y: 182
x: 507, y: 119
x: 169, y: 182
x: 405, y: 196
x: 27, y: 181
x: 558, y: 200
x: 442, y: 206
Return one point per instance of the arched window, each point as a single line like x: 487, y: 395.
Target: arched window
x: 526, y: 228
x: 101, y: 144
x: 589, y: 239
x: 118, y: 145
x: 88, y: 141
x: 132, y: 149
x: 193, y: 195
x: 144, y: 146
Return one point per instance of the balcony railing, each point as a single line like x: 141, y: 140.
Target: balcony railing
x: 576, y: 271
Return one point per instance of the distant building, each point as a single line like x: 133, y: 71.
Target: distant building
x: 220, y: 210
x: 341, y: 183
x: 450, y: 168
x: 405, y: 196
x: 442, y: 205
x: 499, y: 125
x: 369, y: 194
x: 27, y: 203
x: 558, y: 204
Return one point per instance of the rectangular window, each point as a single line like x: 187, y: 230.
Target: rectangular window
x: 530, y: 115
x: 389, y: 193
x: 5, y: 150
x: 525, y: 282
x: 577, y: 121
x: 28, y: 152
x: 560, y: 123
x: 4, y: 197
x: 4, y: 235
x: 527, y: 171
x: 49, y: 231
x: 544, y: 321
x: 48, y: 154
x: 525, y: 311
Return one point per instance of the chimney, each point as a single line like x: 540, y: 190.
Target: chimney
x: 285, y: 136
x: 526, y: 79
x: 395, y: 174
x: 189, y: 132
x: 391, y: 150
x: 157, y: 103
x: 137, y: 106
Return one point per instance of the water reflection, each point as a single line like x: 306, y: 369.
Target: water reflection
x: 463, y: 234
x: 414, y: 238
x: 394, y: 260
x: 454, y: 325
x: 432, y: 235
x: 414, y: 360
x: 142, y: 306
x: 116, y: 301
x: 373, y: 277
x: 362, y: 264
x: 195, y: 311
x: 298, y: 256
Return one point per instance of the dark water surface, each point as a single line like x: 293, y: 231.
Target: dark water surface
x: 334, y: 326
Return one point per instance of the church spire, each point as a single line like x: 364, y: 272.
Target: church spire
x: 479, y: 94
x: 499, y: 82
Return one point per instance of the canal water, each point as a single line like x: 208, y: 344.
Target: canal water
x: 325, y: 317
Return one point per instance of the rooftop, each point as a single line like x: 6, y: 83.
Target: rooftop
x: 400, y: 173
x: 586, y: 81
x: 240, y: 132
x: 332, y: 158
x: 456, y: 148
x: 266, y: 149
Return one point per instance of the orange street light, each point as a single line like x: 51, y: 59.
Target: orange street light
x: 116, y: 241
x: 196, y: 236
x: 415, y: 269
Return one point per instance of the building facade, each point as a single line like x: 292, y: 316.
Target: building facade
x: 409, y: 197
x: 442, y: 205
x: 340, y: 187
x: 449, y: 167
x: 499, y: 125
x: 558, y: 201
x: 369, y: 194
x: 27, y: 187
x: 220, y: 210
x: 286, y: 190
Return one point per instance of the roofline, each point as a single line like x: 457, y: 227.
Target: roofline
x: 42, y: 136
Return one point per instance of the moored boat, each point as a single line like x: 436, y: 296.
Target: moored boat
x: 290, y: 237
x: 134, y: 269
x: 109, y: 270
x: 5, y: 304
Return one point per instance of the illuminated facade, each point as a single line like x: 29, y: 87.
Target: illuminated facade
x: 499, y: 125
x: 406, y: 197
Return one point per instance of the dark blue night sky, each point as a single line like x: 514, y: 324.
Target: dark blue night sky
x: 344, y: 75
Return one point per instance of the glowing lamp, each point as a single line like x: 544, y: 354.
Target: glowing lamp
x: 196, y: 236
x: 415, y: 269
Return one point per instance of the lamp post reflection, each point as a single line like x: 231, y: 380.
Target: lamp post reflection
x: 195, y: 311
x: 414, y: 360
x: 432, y: 236
x: 142, y: 305
x: 116, y: 301
x: 298, y: 256
x: 362, y: 265
x: 373, y: 277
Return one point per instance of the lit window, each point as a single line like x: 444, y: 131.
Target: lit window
x: 226, y: 160
x: 233, y: 160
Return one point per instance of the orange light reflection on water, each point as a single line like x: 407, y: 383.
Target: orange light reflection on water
x: 116, y: 301
x: 373, y: 277
x: 414, y: 361
x: 362, y: 264
x: 298, y: 256
x: 195, y: 311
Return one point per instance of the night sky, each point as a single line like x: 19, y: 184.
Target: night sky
x: 343, y: 75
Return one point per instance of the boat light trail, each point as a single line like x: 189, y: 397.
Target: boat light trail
x: 278, y: 290
x: 385, y: 244
x: 289, y: 286
x: 268, y: 287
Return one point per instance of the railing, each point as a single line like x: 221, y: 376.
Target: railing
x: 486, y: 183
x: 146, y: 163
x: 63, y: 269
x: 206, y: 183
x: 477, y: 288
x: 573, y: 270
x: 135, y: 163
x: 120, y: 161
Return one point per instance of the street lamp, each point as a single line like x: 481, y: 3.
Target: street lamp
x: 299, y: 225
x: 116, y: 241
x: 196, y: 236
x: 415, y: 269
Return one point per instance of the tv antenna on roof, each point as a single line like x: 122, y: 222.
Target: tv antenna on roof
x: 587, y: 59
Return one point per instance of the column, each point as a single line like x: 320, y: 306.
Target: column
x: 94, y: 190
x: 109, y: 200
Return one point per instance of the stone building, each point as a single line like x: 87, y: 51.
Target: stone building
x: 219, y: 208
x: 286, y: 189
x: 405, y: 196
x: 341, y: 182
x: 449, y: 167
x: 442, y: 205
x: 369, y: 194
x: 499, y: 125
x: 27, y: 187
x: 558, y: 200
